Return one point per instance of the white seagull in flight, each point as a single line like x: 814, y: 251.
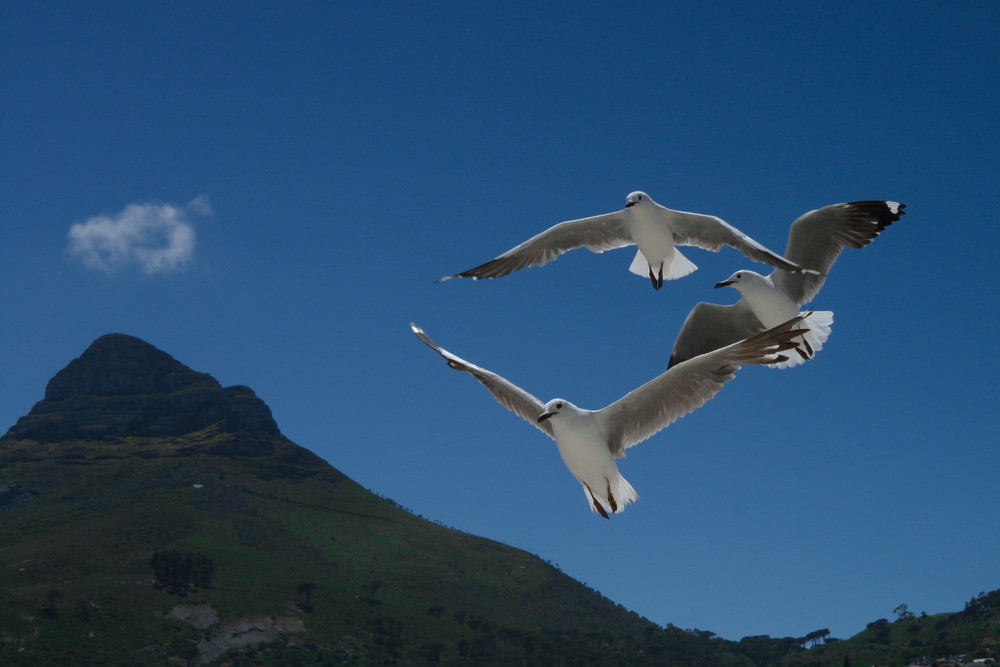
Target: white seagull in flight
x: 653, y: 228
x: 814, y: 242
x: 589, y: 441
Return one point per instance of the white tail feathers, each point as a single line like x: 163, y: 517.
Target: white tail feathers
x: 621, y: 491
x: 811, y: 342
x: 640, y: 266
x: 675, y: 267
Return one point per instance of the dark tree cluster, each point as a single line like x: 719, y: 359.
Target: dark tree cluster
x: 815, y: 637
x: 178, y: 571
x: 982, y: 604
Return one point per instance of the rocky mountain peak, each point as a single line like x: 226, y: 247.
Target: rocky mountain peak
x: 123, y: 386
x: 119, y: 365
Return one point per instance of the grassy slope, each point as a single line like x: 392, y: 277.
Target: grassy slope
x: 910, y: 639
x: 388, y: 585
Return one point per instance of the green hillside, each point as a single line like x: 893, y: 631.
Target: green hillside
x: 78, y: 581
x: 149, y: 516
x: 257, y: 543
x: 965, y: 636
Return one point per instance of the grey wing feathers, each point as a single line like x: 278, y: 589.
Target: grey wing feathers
x: 689, y: 385
x: 597, y: 234
x: 506, y: 392
x: 817, y: 238
x: 710, y: 326
x: 711, y: 233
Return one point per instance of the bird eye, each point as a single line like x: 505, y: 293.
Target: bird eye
x: 640, y: 197
x: 558, y: 406
x: 739, y: 276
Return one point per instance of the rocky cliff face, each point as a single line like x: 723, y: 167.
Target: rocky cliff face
x: 122, y: 386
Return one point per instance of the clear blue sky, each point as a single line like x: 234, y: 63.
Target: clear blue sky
x: 267, y: 191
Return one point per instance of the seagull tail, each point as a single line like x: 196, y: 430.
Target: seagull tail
x: 624, y: 494
x: 640, y: 266
x: 621, y: 492
x: 811, y: 342
x: 675, y: 267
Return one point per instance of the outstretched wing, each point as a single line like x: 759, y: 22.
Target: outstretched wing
x: 710, y: 326
x: 506, y: 392
x: 816, y: 239
x: 689, y: 385
x: 711, y: 233
x: 597, y: 234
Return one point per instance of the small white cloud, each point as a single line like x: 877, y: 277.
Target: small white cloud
x: 158, y: 238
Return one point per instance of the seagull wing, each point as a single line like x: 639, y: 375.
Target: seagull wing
x: 816, y: 239
x: 711, y: 233
x: 689, y: 385
x: 597, y: 234
x: 512, y: 397
x: 710, y: 326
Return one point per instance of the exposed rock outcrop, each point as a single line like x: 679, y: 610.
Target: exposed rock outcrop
x: 122, y: 386
x: 246, y: 632
x: 14, y: 493
x: 201, y: 616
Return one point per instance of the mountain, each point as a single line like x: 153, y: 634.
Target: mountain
x: 122, y: 386
x: 150, y: 516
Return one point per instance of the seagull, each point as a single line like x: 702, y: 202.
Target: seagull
x: 644, y: 223
x: 814, y: 242
x: 589, y: 441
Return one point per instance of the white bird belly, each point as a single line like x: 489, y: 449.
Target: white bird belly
x: 586, y: 454
x: 653, y: 237
x: 771, y: 306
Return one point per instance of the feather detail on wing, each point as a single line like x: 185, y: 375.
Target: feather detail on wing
x: 597, y: 234
x: 817, y: 238
x: 689, y: 385
x: 818, y: 325
x: 710, y: 326
x: 711, y: 233
x: 506, y: 392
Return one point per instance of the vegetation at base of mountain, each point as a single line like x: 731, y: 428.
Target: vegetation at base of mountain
x: 971, y: 633
x: 149, y: 516
x: 267, y: 532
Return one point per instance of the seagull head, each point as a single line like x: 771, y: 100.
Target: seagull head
x: 552, y: 408
x: 637, y: 197
x: 742, y: 280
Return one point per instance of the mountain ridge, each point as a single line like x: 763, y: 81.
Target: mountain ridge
x: 133, y: 468
x: 122, y: 385
x: 132, y: 460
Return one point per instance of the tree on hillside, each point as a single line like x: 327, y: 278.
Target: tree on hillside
x: 815, y: 637
x: 982, y: 603
x: 178, y: 570
x: 372, y: 585
x: 305, y: 589
x: 51, y: 597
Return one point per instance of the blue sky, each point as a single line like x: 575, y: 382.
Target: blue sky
x: 267, y: 191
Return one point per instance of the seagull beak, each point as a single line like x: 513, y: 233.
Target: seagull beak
x: 629, y: 203
x: 724, y: 283
x: 545, y: 415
